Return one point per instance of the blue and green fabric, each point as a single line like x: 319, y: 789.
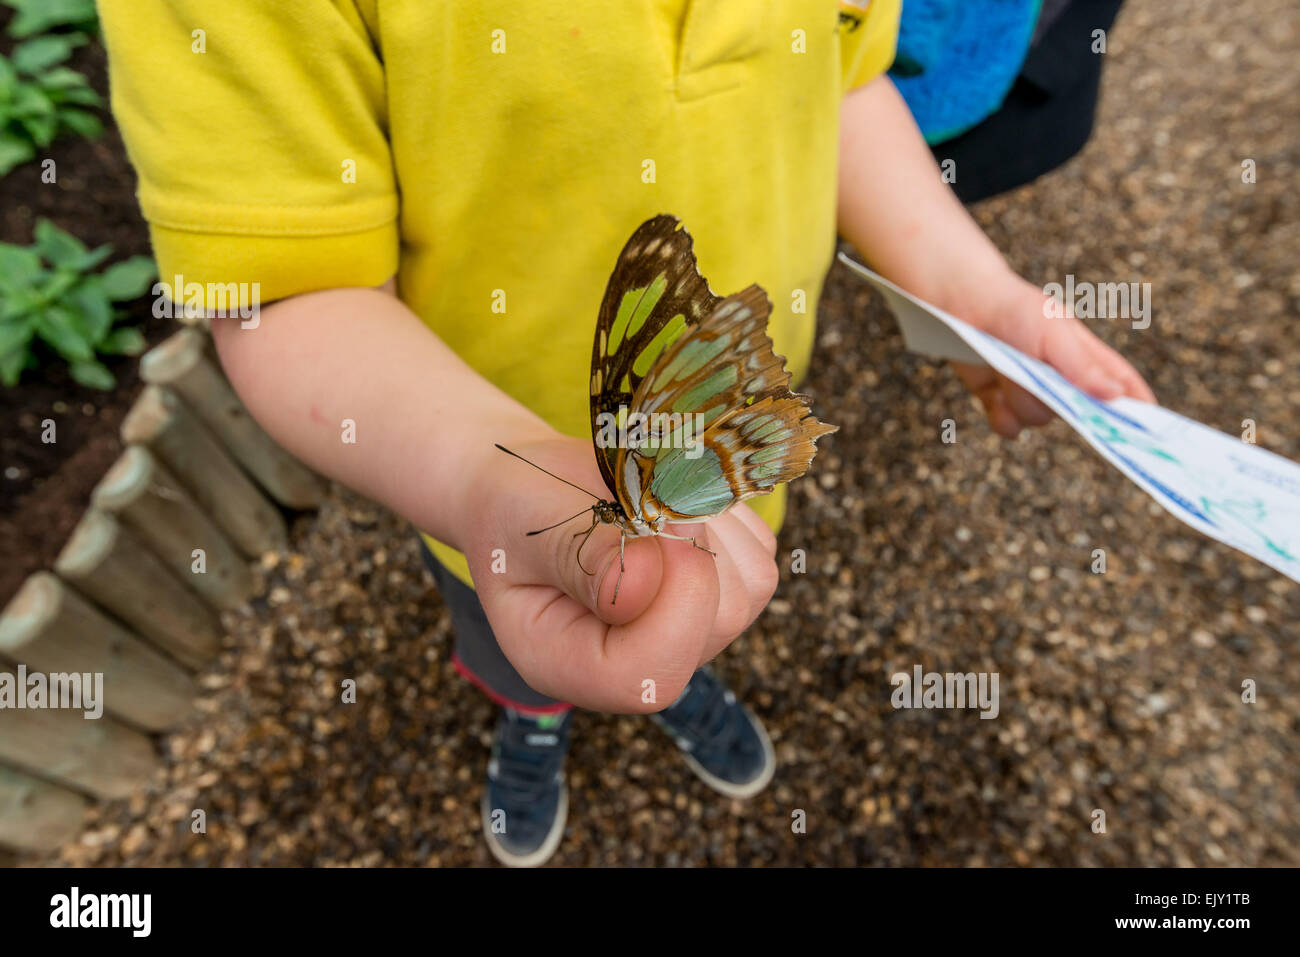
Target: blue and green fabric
x: 957, y: 59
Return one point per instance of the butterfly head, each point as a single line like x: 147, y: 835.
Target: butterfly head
x: 609, y: 513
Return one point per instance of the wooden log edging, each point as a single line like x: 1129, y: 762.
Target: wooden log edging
x: 34, y: 814
x: 127, y: 601
x: 146, y: 496
x: 160, y: 422
x: 181, y: 364
x: 110, y: 565
x: 103, y: 757
x: 48, y: 627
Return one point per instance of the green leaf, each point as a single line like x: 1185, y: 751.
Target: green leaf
x: 11, y: 366
x: 59, y: 247
x: 44, y: 52
x: 62, y: 91
x: 92, y: 374
x: 8, y: 79
x: 41, y: 128
x: 30, y: 100
x: 84, y: 124
x: 59, y: 329
x: 14, y: 334
x: 63, y: 78
x: 69, y: 318
x: 129, y: 279
x: 90, y: 301
x: 49, y: 292
x: 38, y: 16
x: 126, y: 341
x: 84, y: 96
x: 97, y: 256
x: 20, y: 306
x: 14, y: 151
x: 57, y: 284
x: 19, y: 266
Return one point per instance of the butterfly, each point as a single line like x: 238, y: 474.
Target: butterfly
x: 691, y: 410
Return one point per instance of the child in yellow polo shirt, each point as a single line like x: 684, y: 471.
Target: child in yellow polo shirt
x: 434, y: 195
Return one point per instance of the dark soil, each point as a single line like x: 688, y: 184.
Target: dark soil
x: 44, y: 488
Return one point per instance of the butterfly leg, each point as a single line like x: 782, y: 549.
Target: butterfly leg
x: 683, y: 538
x: 586, y: 535
x: 622, y: 544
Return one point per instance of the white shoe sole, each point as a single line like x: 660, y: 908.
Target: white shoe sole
x: 537, y: 857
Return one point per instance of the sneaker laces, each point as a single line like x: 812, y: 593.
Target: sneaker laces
x: 703, y: 714
x: 525, y: 764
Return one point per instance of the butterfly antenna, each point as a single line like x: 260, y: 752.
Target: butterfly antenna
x: 558, y: 524
x: 552, y: 475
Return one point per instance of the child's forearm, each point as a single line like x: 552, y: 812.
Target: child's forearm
x: 424, y: 422
x: 894, y: 207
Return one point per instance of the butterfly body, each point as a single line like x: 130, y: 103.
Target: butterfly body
x: 636, y: 525
x: 699, y: 368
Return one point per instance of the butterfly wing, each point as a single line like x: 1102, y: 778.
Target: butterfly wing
x: 755, y: 433
x: 654, y: 294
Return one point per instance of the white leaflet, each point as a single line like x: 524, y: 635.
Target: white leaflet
x: 1223, y: 487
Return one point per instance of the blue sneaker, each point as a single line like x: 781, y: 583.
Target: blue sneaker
x: 526, y: 801
x: 721, y: 740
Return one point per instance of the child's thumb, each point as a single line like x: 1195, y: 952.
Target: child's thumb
x: 596, y: 565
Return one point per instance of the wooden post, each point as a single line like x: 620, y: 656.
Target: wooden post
x: 152, y: 501
x: 103, y: 757
x: 107, y: 562
x: 179, y: 362
x: 50, y: 628
x: 162, y: 423
x: 36, y: 815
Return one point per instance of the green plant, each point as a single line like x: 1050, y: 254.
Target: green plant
x: 49, y: 294
x: 39, y: 99
x: 36, y: 16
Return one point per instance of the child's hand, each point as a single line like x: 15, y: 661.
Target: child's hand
x: 678, y: 606
x: 1016, y: 316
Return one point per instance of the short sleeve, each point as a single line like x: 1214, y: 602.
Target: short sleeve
x: 868, y: 34
x: 258, y: 132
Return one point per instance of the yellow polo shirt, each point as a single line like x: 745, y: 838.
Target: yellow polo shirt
x: 490, y: 152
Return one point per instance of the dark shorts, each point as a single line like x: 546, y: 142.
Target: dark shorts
x: 477, y: 655
x: 1047, y: 116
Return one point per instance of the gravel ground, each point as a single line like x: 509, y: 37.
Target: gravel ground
x: 1119, y: 692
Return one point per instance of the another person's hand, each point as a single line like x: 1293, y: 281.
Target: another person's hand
x: 1016, y: 315
x: 678, y: 606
